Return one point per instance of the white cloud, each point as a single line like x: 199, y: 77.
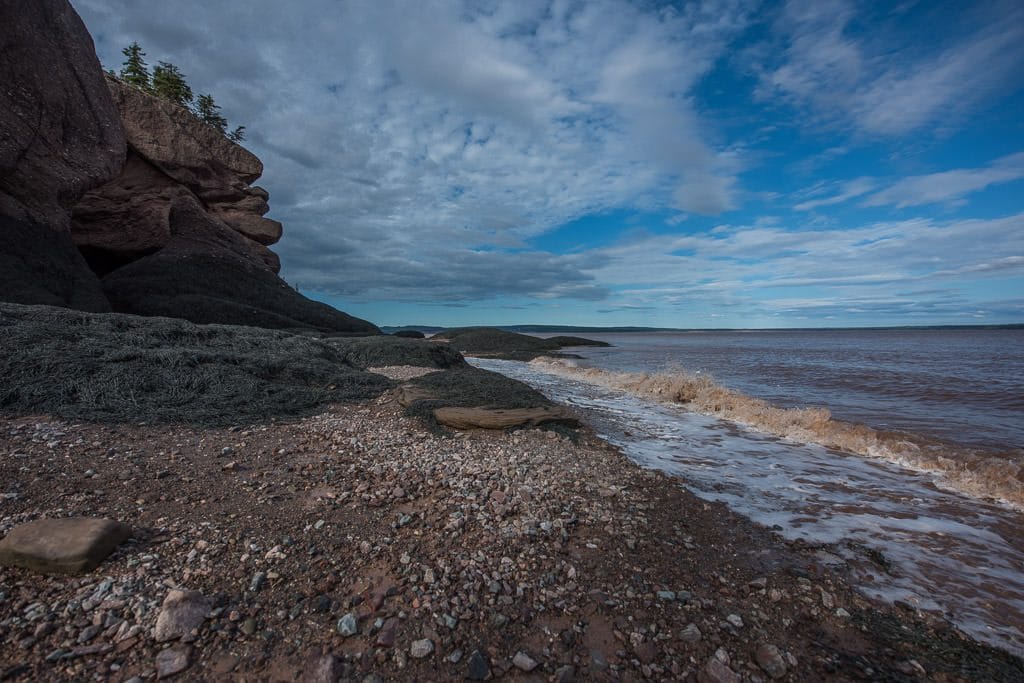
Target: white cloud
x: 848, y: 190
x: 948, y: 186
x: 389, y: 127
x: 877, y: 83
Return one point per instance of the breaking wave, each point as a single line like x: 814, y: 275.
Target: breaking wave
x: 984, y: 474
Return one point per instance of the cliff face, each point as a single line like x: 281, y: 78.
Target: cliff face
x: 158, y: 203
x: 60, y: 135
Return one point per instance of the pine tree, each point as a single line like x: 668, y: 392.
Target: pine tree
x: 237, y: 135
x: 208, y: 111
x: 169, y: 83
x: 134, y: 71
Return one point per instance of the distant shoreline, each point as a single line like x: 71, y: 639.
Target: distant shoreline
x: 557, y: 329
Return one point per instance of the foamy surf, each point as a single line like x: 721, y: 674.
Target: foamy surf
x: 898, y: 535
x: 998, y: 476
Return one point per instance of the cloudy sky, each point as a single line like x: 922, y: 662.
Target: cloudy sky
x: 616, y: 162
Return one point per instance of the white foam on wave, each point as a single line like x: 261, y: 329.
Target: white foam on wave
x: 998, y: 476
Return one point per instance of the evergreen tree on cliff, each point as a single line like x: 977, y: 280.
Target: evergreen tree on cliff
x: 169, y: 83
x: 134, y: 71
x: 209, y: 112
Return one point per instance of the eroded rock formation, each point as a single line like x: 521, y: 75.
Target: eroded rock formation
x: 111, y: 198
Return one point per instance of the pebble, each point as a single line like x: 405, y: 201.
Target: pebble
x: 770, y: 659
x: 524, y: 662
x: 717, y: 672
x: 478, y: 666
x: 347, y: 625
x: 257, y: 581
x: 421, y: 648
x: 173, y: 660
x: 667, y: 596
x: 735, y: 620
x: 690, y: 634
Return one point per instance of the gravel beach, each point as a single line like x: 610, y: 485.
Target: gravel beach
x: 360, y: 545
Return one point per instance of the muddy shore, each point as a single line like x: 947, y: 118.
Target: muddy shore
x: 360, y: 545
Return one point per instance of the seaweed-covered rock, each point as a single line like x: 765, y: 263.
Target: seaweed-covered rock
x: 494, y: 401
x: 564, y: 341
x: 495, y: 343
x: 111, y: 367
x: 384, y: 350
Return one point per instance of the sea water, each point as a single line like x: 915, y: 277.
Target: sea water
x: 898, y: 449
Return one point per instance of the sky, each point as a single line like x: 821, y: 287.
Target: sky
x: 617, y: 162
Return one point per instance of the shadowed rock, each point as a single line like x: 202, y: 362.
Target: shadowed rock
x: 73, y: 545
x: 60, y: 135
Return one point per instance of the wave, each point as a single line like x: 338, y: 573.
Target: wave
x: 984, y: 474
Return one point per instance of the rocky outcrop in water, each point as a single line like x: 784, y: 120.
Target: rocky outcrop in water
x: 113, y: 199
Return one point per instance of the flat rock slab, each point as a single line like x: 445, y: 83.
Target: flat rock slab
x: 497, y: 418
x: 74, y: 545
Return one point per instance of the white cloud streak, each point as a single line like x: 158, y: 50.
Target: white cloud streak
x: 884, y: 90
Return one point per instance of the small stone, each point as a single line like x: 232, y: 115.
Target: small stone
x: 325, y: 669
x: 646, y: 652
x: 226, y: 451
x: 735, y: 620
x: 320, y: 603
x: 667, y: 596
x: 173, y: 660
x: 454, y: 657
x: 770, y: 659
x: 181, y: 612
x: 565, y: 674
x: 478, y: 666
x: 842, y: 613
x: 524, y: 662
x: 717, y: 672
x: 388, y: 630
x: 88, y: 633
x: 421, y: 648
x: 248, y: 626
x: 257, y: 581
x: 690, y: 634
x: 347, y: 625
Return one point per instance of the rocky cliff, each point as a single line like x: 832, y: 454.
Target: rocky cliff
x: 113, y: 199
x: 60, y: 134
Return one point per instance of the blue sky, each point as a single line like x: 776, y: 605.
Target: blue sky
x: 708, y: 164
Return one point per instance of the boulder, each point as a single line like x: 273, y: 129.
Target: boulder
x: 73, y: 545
x: 60, y: 135
x: 498, y: 418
